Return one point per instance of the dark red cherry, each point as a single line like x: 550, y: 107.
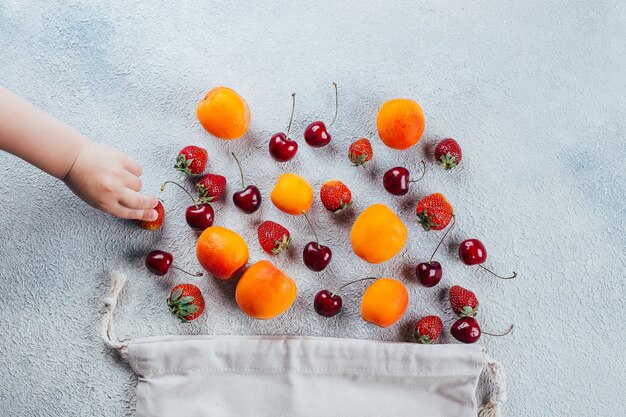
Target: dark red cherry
x: 159, y: 262
x: 396, y: 181
x: 429, y: 273
x: 316, y: 257
x: 472, y: 252
x: 466, y: 330
x: 327, y: 304
x: 200, y: 217
x: 248, y: 199
x: 282, y: 149
x: 316, y: 134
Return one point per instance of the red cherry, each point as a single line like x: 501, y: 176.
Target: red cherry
x: 396, y: 180
x: 200, y: 217
x: 473, y: 252
x: 159, y: 262
x: 316, y: 257
x: 281, y: 148
x: 429, y: 273
x: 466, y: 330
x: 249, y: 198
x: 327, y: 304
x: 316, y: 134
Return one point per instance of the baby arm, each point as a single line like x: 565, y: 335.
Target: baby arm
x: 103, y: 177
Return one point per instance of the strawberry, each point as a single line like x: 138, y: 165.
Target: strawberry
x: 335, y: 195
x: 273, y: 237
x: 428, y: 329
x: 360, y: 152
x: 448, y: 153
x: 463, y: 302
x: 210, y: 187
x: 155, y: 224
x: 186, y: 302
x: 191, y: 160
x: 434, y: 212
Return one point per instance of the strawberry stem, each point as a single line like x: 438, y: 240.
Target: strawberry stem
x: 197, y: 274
x: 423, y: 164
x: 195, y: 202
x: 312, y: 228
x: 496, y: 275
x: 350, y: 283
x: 293, y: 108
x: 243, y: 185
x: 443, y: 238
x: 336, y: 105
x: 501, y: 334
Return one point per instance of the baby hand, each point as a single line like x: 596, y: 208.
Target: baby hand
x: 108, y: 180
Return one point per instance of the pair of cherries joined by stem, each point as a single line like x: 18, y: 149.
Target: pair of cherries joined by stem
x: 315, y: 256
x: 159, y: 263
x: 248, y: 199
x: 328, y: 304
x: 198, y: 216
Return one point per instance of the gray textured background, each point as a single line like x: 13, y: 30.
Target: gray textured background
x: 534, y: 91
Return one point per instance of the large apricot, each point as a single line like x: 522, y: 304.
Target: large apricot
x: 384, y: 302
x: 264, y: 291
x: 221, y: 251
x: 292, y: 194
x: 378, y: 234
x: 400, y: 123
x: 224, y: 113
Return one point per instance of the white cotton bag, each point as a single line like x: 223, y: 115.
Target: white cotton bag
x: 298, y: 376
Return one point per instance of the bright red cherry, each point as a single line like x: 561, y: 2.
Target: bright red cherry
x: 473, y: 252
x: 396, y: 180
x: 430, y: 273
x: 316, y: 257
x: 467, y: 330
x: 249, y: 198
x: 316, y: 134
x: 159, y: 262
x: 198, y: 216
x: 282, y: 149
x: 327, y: 304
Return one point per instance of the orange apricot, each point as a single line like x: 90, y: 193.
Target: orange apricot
x: 384, y: 302
x: 292, y: 194
x: 224, y: 113
x: 378, y: 234
x: 221, y: 252
x: 400, y: 123
x: 264, y: 291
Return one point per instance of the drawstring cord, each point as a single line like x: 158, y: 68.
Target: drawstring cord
x: 118, y: 283
x: 497, y: 397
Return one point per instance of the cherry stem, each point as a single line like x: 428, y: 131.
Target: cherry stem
x: 350, y: 283
x: 293, y: 108
x: 336, y: 105
x: 501, y: 334
x: 243, y: 184
x: 496, y: 275
x: 197, y: 274
x: 443, y: 238
x: 423, y: 164
x: 312, y: 228
x: 195, y: 202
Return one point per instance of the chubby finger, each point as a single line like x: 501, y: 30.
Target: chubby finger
x: 132, y: 181
x: 134, y: 200
x: 131, y: 165
x: 122, y: 212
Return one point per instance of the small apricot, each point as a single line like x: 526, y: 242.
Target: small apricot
x: 384, y: 302
x: 264, y: 291
x: 224, y: 113
x: 292, y: 194
x: 221, y: 251
x: 400, y: 123
x: 378, y: 234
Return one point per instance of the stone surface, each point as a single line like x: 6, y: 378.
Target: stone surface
x: 534, y: 92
